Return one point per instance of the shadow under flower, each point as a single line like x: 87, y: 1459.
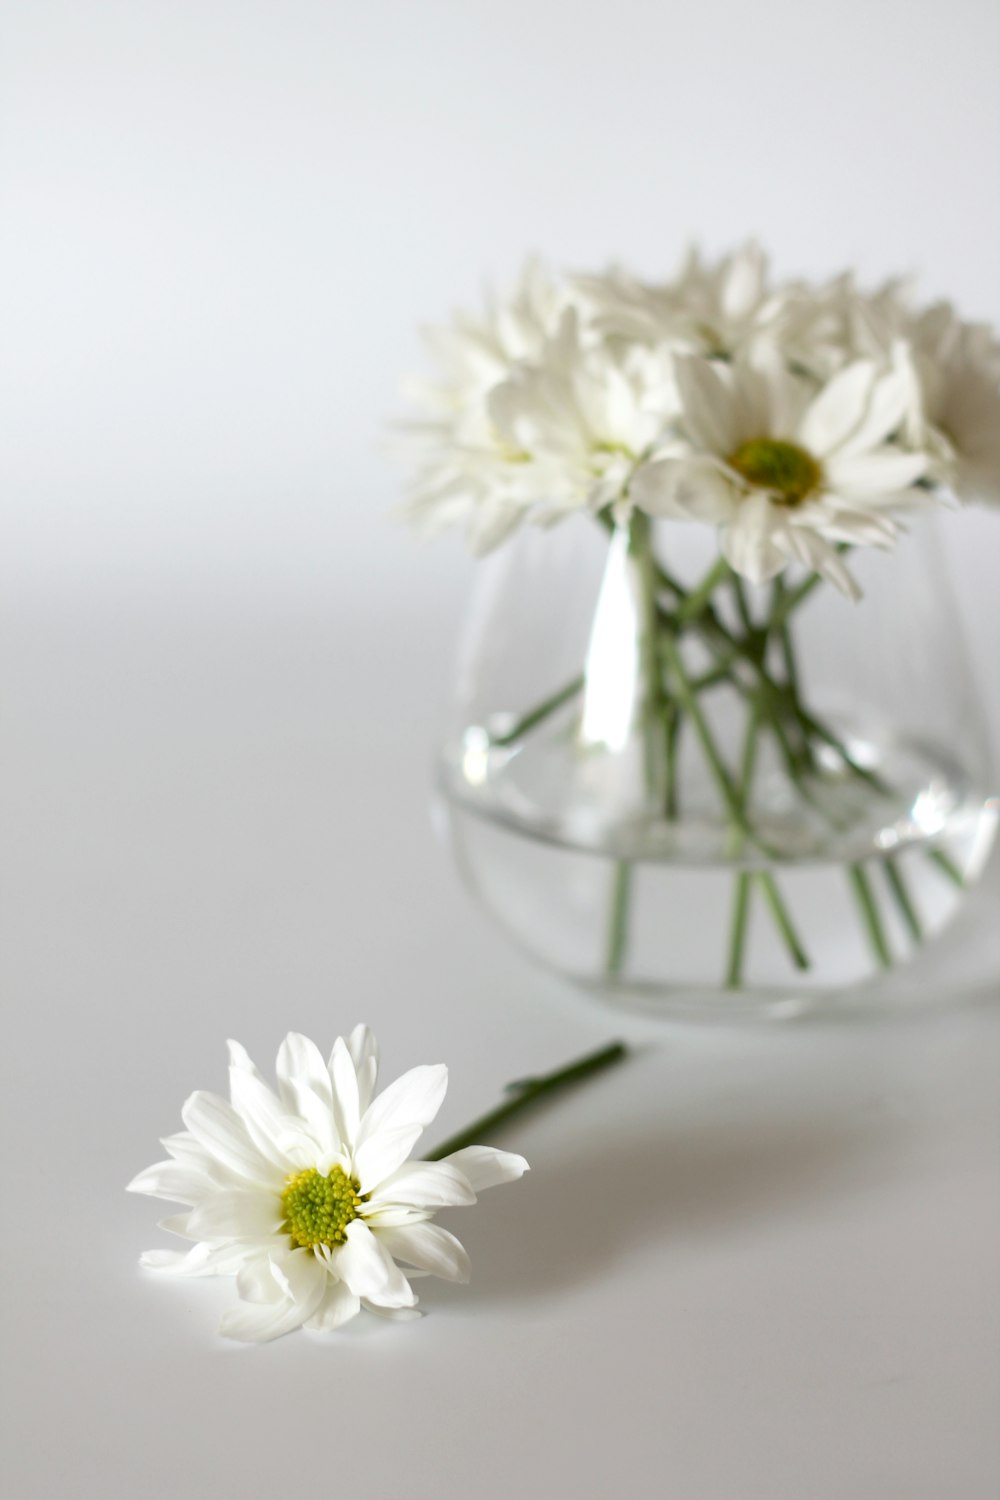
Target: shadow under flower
x: 573, y: 1218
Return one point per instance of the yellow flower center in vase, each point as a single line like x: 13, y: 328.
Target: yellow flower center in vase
x: 318, y: 1209
x: 786, y: 470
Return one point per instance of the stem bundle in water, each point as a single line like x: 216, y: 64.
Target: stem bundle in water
x: 755, y: 658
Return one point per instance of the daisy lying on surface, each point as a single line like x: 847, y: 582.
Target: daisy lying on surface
x: 306, y: 1195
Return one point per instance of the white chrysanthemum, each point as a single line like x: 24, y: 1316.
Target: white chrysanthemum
x: 562, y: 432
x: 957, y: 414
x: 719, y: 309
x: 474, y: 353
x: 786, y: 471
x: 306, y: 1195
x: 821, y: 329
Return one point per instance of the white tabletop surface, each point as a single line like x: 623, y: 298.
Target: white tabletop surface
x: 750, y: 1262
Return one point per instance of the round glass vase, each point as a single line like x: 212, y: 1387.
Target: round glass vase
x: 662, y: 781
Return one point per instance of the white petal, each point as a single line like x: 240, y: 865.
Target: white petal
x: 184, y: 1147
x: 200, y: 1260
x: 815, y: 552
x: 838, y: 408
x: 485, y: 1167
x: 748, y: 544
x: 257, y: 1282
x: 176, y: 1224
x: 239, y: 1057
x: 369, y: 1270
x: 304, y: 1280
x: 243, y: 1216
x: 216, y: 1125
x: 743, y: 282
x: 338, y: 1306
x: 424, y: 1184
x: 304, y: 1086
x: 874, y: 473
x: 379, y: 1157
x: 279, y: 1136
x: 428, y: 1247
x: 174, y: 1180
x: 364, y: 1050
x: 892, y: 397
x: 686, y: 489
x: 710, y: 417
x: 346, y: 1095
x: 393, y: 1314
x: 408, y: 1104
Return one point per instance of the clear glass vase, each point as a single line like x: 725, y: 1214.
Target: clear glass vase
x: 664, y: 782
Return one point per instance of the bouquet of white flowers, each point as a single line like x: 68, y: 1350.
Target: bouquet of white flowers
x: 802, y: 423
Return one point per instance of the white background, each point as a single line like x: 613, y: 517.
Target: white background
x: 765, y: 1264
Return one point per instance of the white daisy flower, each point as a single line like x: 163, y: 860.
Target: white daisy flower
x: 306, y: 1195
x: 957, y: 415
x: 717, y: 310
x: 785, y: 471
x: 819, y: 330
x: 560, y: 433
x: 465, y: 476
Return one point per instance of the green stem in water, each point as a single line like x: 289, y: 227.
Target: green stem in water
x: 903, y: 899
x: 744, y: 881
x: 738, y: 929
x: 692, y: 605
x: 782, y: 920
x: 689, y: 702
x: 673, y: 734
x: 537, y: 714
x: 947, y: 866
x: 618, y: 918
x: 791, y: 599
x: 865, y: 898
x: 528, y: 1091
x: 656, y: 703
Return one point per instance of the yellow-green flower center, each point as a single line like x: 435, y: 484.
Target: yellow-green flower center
x: 318, y: 1209
x: 786, y: 470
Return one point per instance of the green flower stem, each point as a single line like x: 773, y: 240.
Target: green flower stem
x: 744, y: 880
x: 870, y: 916
x: 721, y: 672
x: 528, y: 1091
x: 821, y: 732
x: 657, y: 750
x: 656, y: 703
x: 538, y: 714
x: 618, y: 918
x: 709, y: 623
x: 947, y: 866
x: 670, y: 796
x: 903, y: 899
x: 751, y: 633
x: 782, y: 920
x: 791, y: 599
x: 732, y: 798
x: 692, y: 604
x: 788, y: 657
x: 738, y: 929
x: 690, y: 705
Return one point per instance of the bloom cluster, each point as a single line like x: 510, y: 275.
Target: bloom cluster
x: 799, y: 420
x: 306, y: 1195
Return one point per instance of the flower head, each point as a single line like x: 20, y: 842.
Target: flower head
x: 719, y: 309
x: 957, y: 413
x: 785, y: 470
x: 561, y: 432
x: 306, y: 1194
